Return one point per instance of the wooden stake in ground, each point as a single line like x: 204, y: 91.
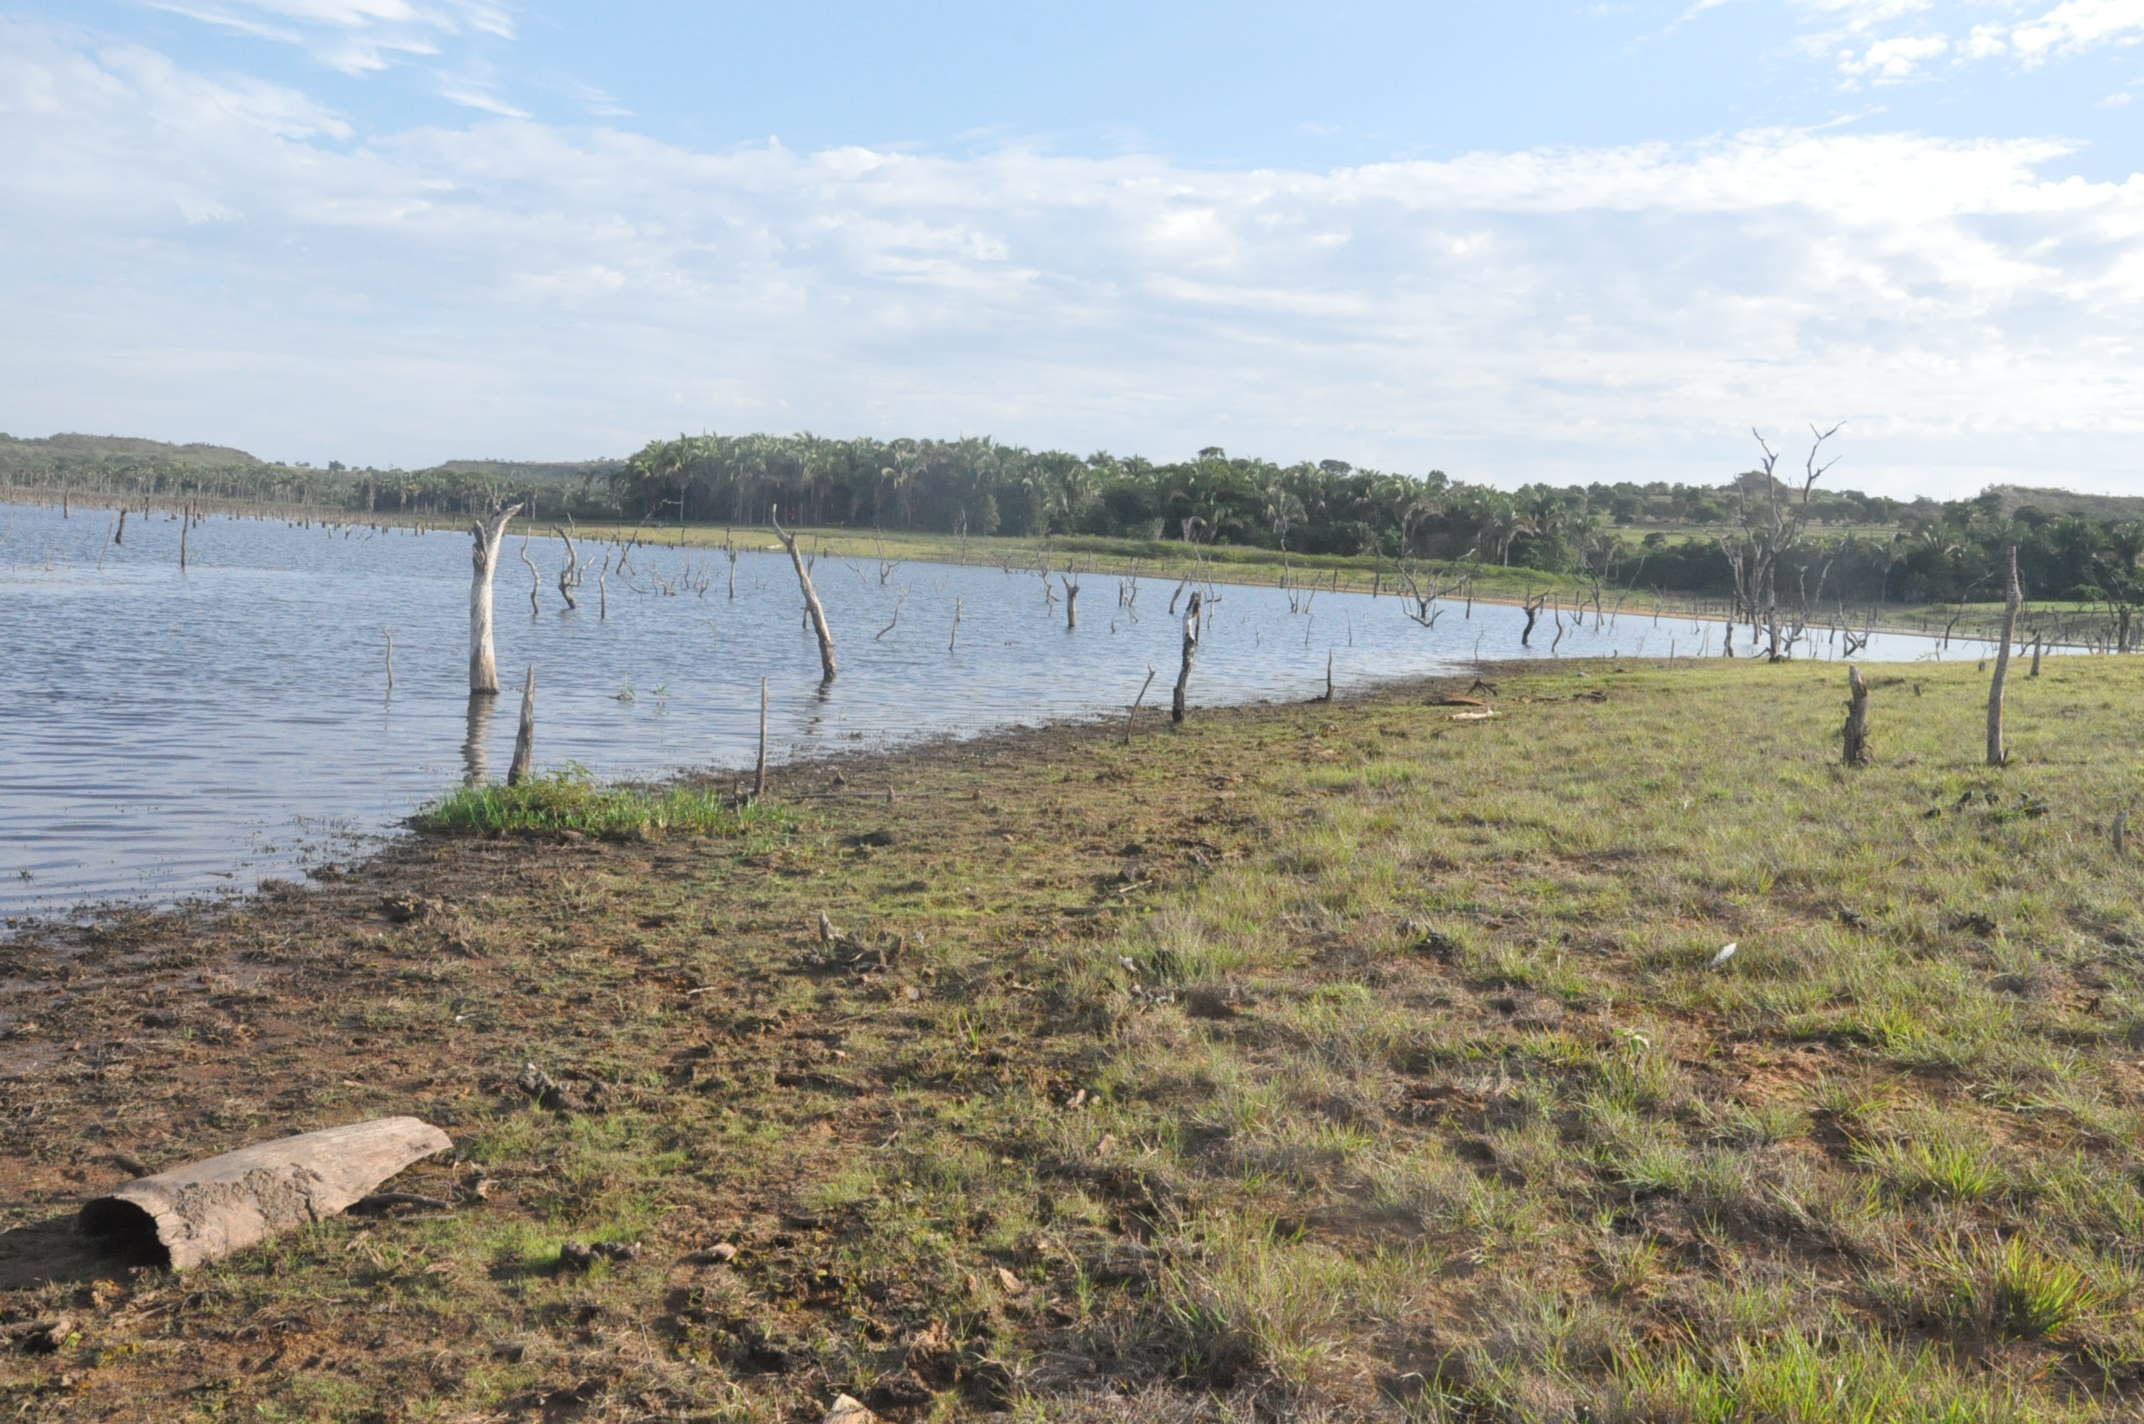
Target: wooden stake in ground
x: 1191, y: 651
x: 1856, y: 733
x: 484, y: 563
x: 2038, y: 643
x: 1997, y: 753
x: 827, y: 663
x: 525, y: 738
x: 759, y: 778
x: 1129, y: 716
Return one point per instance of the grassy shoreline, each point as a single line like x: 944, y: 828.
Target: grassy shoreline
x: 1325, y: 1061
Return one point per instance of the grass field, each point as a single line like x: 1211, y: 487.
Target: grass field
x: 1320, y: 1062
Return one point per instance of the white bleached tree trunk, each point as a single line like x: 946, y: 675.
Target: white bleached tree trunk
x: 484, y: 562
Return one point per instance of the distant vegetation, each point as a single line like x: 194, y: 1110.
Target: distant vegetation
x: 1653, y: 536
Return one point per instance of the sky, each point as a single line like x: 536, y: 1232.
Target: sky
x: 1514, y: 242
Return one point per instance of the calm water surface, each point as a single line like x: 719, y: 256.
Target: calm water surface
x: 166, y: 734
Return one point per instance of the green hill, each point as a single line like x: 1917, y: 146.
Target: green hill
x: 2058, y: 501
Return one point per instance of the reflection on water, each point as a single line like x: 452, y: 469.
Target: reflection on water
x: 162, y: 735
x: 476, y: 739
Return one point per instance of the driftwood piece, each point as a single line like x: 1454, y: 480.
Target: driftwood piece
x: 209, y: 1209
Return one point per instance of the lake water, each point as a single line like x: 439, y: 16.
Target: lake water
x: 165, y: 734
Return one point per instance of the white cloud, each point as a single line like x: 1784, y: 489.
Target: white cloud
x: 1891, y: 40
x: 229, y: 259
x: 1899, y: 57
x: 353, y: 36
x: 2078, y: 25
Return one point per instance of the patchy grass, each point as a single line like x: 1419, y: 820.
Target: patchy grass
x: 569, y: 800
x: 1319, y: 1062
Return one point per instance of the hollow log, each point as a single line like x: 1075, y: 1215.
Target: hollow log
x: 209, y: 1209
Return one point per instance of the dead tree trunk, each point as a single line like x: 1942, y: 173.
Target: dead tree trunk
x: 569, y: 577
x: 484, y: 563
x: 827, y: 662
x: 2038, y: 645
x: 1191, y: 650
x: 1997, y: 753
x: 524, y: 738
x: 1071, y: 602
x: 759, y: 773
x: 119, y: 535
x: 1856, y: 732
x: 1533, y: 611
x: 535, y: 579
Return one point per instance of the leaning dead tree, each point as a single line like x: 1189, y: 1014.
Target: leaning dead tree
x: 1772, y: 525
x: 827, y: 662
x: 484, y: 563
x: 1177, y: 704
x: 1855, y: 734
x: 1999, y: 755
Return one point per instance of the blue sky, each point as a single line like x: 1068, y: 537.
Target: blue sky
x: 1515, y: 241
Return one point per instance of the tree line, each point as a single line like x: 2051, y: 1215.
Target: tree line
x: 1670, y: 537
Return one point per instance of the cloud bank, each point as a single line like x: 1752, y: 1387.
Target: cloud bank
x: 210, y: 257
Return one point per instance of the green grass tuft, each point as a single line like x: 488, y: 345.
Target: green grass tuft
x: 570, y: 800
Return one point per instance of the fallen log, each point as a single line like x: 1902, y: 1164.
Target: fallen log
x: 209, y: 1209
